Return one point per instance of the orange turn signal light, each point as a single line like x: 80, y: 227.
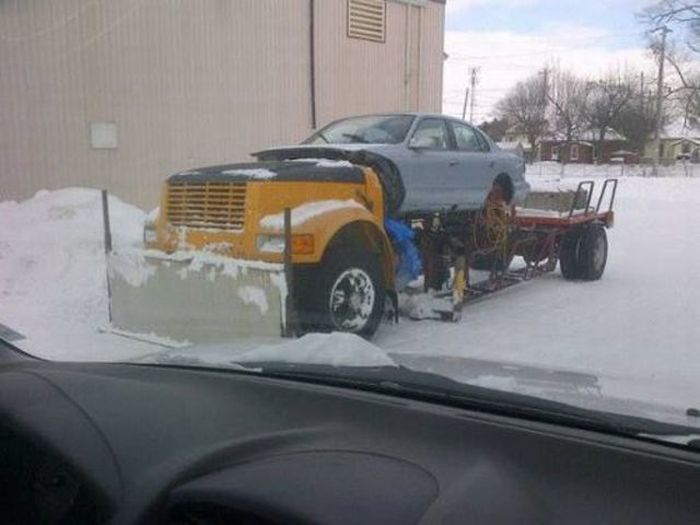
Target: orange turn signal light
x: 303, y: 244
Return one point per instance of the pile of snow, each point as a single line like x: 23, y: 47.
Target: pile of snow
x: 335, y: 349
x: 53, y: 281
x: 305, y: 212
x: 255, y: 173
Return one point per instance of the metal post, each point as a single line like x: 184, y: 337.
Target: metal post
x: 659, y: 99
x: 108, y: 248
x: 474, y: 72
x: 464, y: 107
x: 290, y: 312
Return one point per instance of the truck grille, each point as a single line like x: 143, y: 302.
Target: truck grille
x: 216, y: 205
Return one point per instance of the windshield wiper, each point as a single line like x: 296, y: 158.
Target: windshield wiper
x: 405, y: 382
x: 322, y: 136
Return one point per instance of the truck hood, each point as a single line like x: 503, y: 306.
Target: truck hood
x: 362, y: 154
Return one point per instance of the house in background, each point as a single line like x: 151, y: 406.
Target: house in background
x: 584, y: 149
x: 118, y: 95
x: 517, y: 140
x: 512, y: 147
x: 677, y: 142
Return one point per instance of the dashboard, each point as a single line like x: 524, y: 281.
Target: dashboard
x: 129, y: 444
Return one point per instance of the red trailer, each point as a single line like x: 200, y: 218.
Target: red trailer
x: 575, y: 238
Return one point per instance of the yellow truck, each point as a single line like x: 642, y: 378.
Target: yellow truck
x: 213, y: 266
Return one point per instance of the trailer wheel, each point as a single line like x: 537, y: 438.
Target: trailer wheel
x: 569, y: 255
x: 593, y: 252
x: 349, y: 294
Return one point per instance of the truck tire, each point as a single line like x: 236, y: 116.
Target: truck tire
x: 593, y: 252
x: 349, y: 292
x: 569, y: 255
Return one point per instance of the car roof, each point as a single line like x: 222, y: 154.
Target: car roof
x: 399, y: 113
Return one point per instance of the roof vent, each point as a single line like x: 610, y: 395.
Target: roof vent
x: 367, y: 20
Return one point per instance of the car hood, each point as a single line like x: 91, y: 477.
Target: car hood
x: 584, y: 390
x: 591, y: 391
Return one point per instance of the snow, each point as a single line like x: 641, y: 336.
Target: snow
x: 328, y: 163
x: 335, y: 349
x: 636, y: 330
x: 305, y: 212
x: 254, y: 295
x: 257, y: 173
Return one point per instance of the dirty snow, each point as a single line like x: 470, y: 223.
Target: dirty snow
x: 636, y: 330
x: 256, y: 173
x: 305, y: 212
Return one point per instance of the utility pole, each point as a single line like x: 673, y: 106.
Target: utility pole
x: 659, y: 98
x: 464, y: 107
x: 473, y: 72
x: 641, y: 93
x: 545, y: 86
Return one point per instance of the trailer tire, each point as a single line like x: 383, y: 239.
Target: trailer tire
x: 569, y: 249
x: 349, y: 292
x: 593, y: 252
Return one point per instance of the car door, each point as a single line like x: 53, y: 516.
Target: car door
x: 425, y: 170
x: 474, y: 163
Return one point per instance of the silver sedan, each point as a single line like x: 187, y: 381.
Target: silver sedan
x: 444, y: 163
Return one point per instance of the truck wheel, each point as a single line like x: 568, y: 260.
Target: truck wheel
x: 569, y: 255
x: 593, y: 252
x: 350, y: 291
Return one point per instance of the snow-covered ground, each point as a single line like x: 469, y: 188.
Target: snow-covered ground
x: 638, y: 328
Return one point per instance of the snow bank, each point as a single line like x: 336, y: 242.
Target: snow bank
x: 307, y: 211
x: 335, y: 349
x: 53, y: 283
x: 256, y: 173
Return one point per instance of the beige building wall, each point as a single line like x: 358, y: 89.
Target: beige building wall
x: 188, y: 83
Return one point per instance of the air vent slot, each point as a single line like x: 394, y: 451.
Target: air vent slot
x: 367, y: 20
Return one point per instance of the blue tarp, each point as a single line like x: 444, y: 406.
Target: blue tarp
x: 409, y: 266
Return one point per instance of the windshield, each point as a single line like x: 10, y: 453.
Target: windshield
x: 500, y: 195
x: 379, y: 129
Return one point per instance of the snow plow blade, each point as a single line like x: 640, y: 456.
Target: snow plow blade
x: 196, y: 297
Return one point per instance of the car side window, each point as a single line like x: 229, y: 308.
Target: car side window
x: 431, y: 133
x: 467, y: 138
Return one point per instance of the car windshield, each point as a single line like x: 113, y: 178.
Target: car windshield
x: 410, y: 193
x: 378, y: 129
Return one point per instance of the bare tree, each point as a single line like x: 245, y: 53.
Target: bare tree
x: 680, y: 13
x: 684, y: 90
x: 524, y: 106
x: 567, y: 96
x: 637, y: 119
x: 605, y: 101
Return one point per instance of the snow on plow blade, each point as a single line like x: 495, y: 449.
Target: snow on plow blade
x: 196, y: 296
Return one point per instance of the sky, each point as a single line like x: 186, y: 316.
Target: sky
x: 510, y: 40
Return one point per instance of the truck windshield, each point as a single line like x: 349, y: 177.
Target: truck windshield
x: 377, y: 129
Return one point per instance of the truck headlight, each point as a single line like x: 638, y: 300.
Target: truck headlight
x: 302, y: 244
x: 270, y: 243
